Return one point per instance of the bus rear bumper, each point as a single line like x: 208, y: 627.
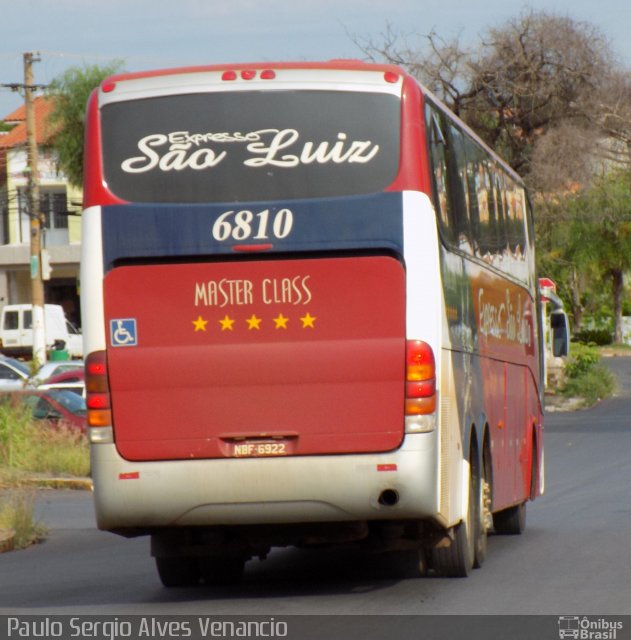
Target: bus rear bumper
x: 147, y: 496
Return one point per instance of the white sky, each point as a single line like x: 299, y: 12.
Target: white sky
x: 162, y: 33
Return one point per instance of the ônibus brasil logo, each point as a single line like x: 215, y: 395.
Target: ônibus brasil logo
x: 585, y: 628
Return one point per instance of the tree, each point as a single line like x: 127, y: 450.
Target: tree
x: 601, y: 218
x: 526, y: 78
x: 71, y: 91
x: 546, y: 92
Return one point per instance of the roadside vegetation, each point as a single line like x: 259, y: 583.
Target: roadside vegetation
x: 18, y: 528
x: 27, y: 449
x: 586, y: 376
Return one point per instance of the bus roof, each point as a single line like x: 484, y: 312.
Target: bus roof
x: 336, y: 64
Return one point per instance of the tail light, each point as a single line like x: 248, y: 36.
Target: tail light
x: 420, y: 385
x: 97, y: 395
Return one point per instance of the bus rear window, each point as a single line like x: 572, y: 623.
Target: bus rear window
x: 251, y: 146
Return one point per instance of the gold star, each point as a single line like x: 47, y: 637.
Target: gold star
x: 281, y: 321
x: 254, y: 323
x: 308, y: 321
x: 226, y: 323
x: 200, y: 324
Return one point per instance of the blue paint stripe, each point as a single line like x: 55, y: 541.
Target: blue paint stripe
x: 149, y: 231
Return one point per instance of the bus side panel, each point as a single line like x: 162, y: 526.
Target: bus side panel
x: 492, y: 355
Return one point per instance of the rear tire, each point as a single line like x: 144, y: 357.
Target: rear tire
x: 458, y: 559
x: 511, y: 521
x: 178, y: 572
x: 222, y: 570
x: 484, y: 513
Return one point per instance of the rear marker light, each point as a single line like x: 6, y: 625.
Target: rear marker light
x: 98, y: 400
x: 248, y: 74
x: 108, y: 87
x: 391, y: 76
x: 268, y: 74
x: 229, y: 75
x: 98, y: 418
x: 420, y: 386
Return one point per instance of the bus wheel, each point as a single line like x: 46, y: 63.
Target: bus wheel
x: 222, y: 570
x: 485, y: 520
x: 178, y: 572
x: 457, y: 560
x: 511, y: 521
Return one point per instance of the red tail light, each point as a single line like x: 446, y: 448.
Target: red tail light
x: 420, y: 386
x: 97, y: 390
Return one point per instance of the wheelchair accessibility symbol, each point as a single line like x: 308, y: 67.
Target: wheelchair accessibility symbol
x: 123, y: 333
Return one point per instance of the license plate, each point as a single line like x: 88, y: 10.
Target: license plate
x: 261, y: 448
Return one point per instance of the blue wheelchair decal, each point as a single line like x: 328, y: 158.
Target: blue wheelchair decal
x: 123, y: 333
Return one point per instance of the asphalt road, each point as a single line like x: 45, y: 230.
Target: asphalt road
x: 574, y: 557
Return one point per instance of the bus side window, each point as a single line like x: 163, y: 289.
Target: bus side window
x: 487, y: 233
x: 477, y: 197
x: 457, y: 187
x: 437, y: 151
x: 517, y: 237
x: 500, y: 202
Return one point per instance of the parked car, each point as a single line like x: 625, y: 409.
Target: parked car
x: 59, y: 407
x: 14, y: 374
x: 53, y: 368
x: 71, y: 379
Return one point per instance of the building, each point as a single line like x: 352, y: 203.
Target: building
x: 59, y: 202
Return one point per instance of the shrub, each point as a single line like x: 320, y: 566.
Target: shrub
x: 582, y: 359
x: 30, y: 445
x: 15, y: 434
x: 600, y: 337
x: 16, y: 515
x: 586, y: 377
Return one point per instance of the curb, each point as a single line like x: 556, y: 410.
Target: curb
x: 6, y: 540
x: 78, y: 484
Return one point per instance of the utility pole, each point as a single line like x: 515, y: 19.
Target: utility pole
x: 37, y: 282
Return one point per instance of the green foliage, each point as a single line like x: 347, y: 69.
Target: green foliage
x: 584, y: 244
x: 16, y: 515
x: 601, y: 222
x: 15, y: 433
x: 600, y: 337
x: 586, y: 377
x: 71, y: 91
x: 582, y: 359
x: 28, y: 446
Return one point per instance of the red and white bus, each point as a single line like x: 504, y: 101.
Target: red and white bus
x: 310, y: 307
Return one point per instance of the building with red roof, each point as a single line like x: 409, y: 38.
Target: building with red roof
x: 60, y: 204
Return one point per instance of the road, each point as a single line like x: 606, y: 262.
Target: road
x: 573, y: 558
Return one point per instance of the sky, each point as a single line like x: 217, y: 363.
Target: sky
x: 151, y: 34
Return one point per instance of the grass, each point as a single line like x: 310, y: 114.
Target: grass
x: 27, y: 445
x: 16, y: 516
x: 27, y: 448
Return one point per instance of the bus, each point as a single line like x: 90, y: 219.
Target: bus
x: 311, y: 317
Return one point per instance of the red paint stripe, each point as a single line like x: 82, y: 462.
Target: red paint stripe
x: 248, y: 248
x: 133, y: 475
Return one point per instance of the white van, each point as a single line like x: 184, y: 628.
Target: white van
x: 16, y: 332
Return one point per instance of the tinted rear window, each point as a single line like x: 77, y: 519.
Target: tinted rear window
x: 251, y: 146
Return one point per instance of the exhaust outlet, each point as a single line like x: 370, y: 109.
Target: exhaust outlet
x: 389, y: 498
